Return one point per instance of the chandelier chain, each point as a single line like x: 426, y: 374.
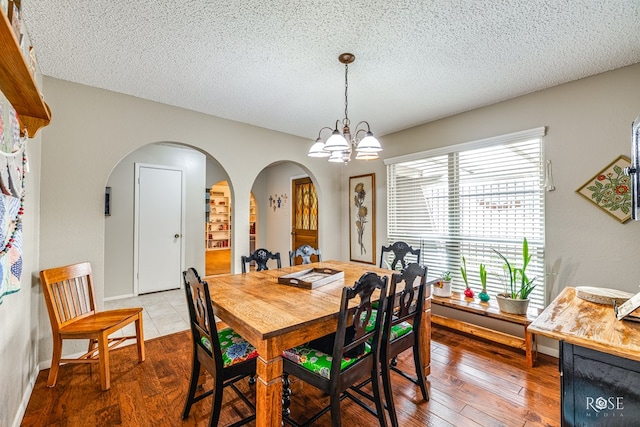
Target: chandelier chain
x: 346, y: 95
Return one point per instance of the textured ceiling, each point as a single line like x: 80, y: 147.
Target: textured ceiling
x: 275, y: 64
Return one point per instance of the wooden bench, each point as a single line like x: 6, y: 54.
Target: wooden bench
x: 458, y: 301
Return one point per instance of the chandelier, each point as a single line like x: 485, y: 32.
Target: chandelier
x: 340, y: 145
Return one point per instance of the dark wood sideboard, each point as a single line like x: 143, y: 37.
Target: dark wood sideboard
x: 599, y: 361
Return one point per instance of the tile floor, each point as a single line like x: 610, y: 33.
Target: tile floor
x: 164, y: 313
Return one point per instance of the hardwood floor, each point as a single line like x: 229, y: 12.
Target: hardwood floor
x: 217, y: 262
x: 472, y: 383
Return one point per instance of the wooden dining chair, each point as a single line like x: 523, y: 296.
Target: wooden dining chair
x: 260, y: 257
x: 334, y: 373
x: 69, y: 295
x: 400, y: 251
x: 402, y: 322
x: 222, y: 352
x: 304, y: 252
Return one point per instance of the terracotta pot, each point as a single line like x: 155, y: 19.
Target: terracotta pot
x: 511, y: 305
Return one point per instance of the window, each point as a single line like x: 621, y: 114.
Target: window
x: 469, y: 199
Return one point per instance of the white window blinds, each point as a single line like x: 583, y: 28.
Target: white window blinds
x: 469, y: 199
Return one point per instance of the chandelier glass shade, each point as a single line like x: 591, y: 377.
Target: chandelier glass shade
x: 340, y: 145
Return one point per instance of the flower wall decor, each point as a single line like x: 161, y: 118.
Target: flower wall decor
x: 362, y: 219
x: 610, y: 190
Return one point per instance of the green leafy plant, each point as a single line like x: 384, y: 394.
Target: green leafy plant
x: 516, y: 284
x: 483, y: 277
x: 483, y: 295
x: 446, y: 276
x: 468, y: 292
x: 463, y: 271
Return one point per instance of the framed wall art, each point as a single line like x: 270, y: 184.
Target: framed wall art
x: 362, y: 218
x: 610, y: 190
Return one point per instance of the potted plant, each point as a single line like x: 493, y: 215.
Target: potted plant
x: 483, y: 295
x: 517, y: 286
x: 468, y: 292
x: 442, y: 288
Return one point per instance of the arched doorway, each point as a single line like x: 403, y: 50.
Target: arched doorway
x: 119, y: 275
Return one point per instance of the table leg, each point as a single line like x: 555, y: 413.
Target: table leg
x: 425, y: 342
x: 529, y: 339
x: 269, y: 392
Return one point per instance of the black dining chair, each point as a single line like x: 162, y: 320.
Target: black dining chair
x: 260, y: 257
x: 305, y: 252
x: 351, y: 358
x: 400, y: 251
x: 222, y: 352
x: 402, y: 322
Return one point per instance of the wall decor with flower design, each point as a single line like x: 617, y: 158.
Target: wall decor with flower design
x: 362, y: 218
x: 610, y: 190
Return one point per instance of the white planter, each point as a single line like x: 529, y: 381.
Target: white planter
x: 512, y: 306
x: 442, y: 288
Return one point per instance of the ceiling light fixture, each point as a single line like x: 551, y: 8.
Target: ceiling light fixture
x: 341, y: 145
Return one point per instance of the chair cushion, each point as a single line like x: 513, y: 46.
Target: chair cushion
x: 317, y: 361
x: 371, y: 324
x: 401, y: 329
x: 397, y: 331
x: 234, y: 348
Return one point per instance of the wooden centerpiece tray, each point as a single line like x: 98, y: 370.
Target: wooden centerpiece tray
x: 311, y: 278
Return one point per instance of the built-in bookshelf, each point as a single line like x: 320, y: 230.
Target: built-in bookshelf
x: 218, y: 218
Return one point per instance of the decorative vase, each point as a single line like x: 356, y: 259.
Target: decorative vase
x: 468, y: 293
x: 512, y: 305
x: 484, y: 297
x: 442, y: 288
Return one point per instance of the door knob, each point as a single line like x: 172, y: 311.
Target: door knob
x: 177, y: 236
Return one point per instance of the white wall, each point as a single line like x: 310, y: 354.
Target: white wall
x: 277, y: 181
x: 214, y: 172
x: 119, y: 226
x: 21, y: 313
x: 259, y: 190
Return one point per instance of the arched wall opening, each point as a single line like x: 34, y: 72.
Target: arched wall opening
x: 119, y: 225
x: 272, y: 220
x: 272, y: 189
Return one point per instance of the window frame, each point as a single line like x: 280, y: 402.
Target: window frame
x: 510, y: 247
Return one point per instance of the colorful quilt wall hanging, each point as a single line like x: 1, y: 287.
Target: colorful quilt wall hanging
x: 13, y: 166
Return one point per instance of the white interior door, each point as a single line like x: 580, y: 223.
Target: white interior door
x: 159, y: 225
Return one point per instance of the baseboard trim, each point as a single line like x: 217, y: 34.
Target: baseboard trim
x: 26, y: 396
x: 549, y: 351
x: 119, y: 297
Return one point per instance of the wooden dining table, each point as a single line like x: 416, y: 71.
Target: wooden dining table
x: 274, y: 317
